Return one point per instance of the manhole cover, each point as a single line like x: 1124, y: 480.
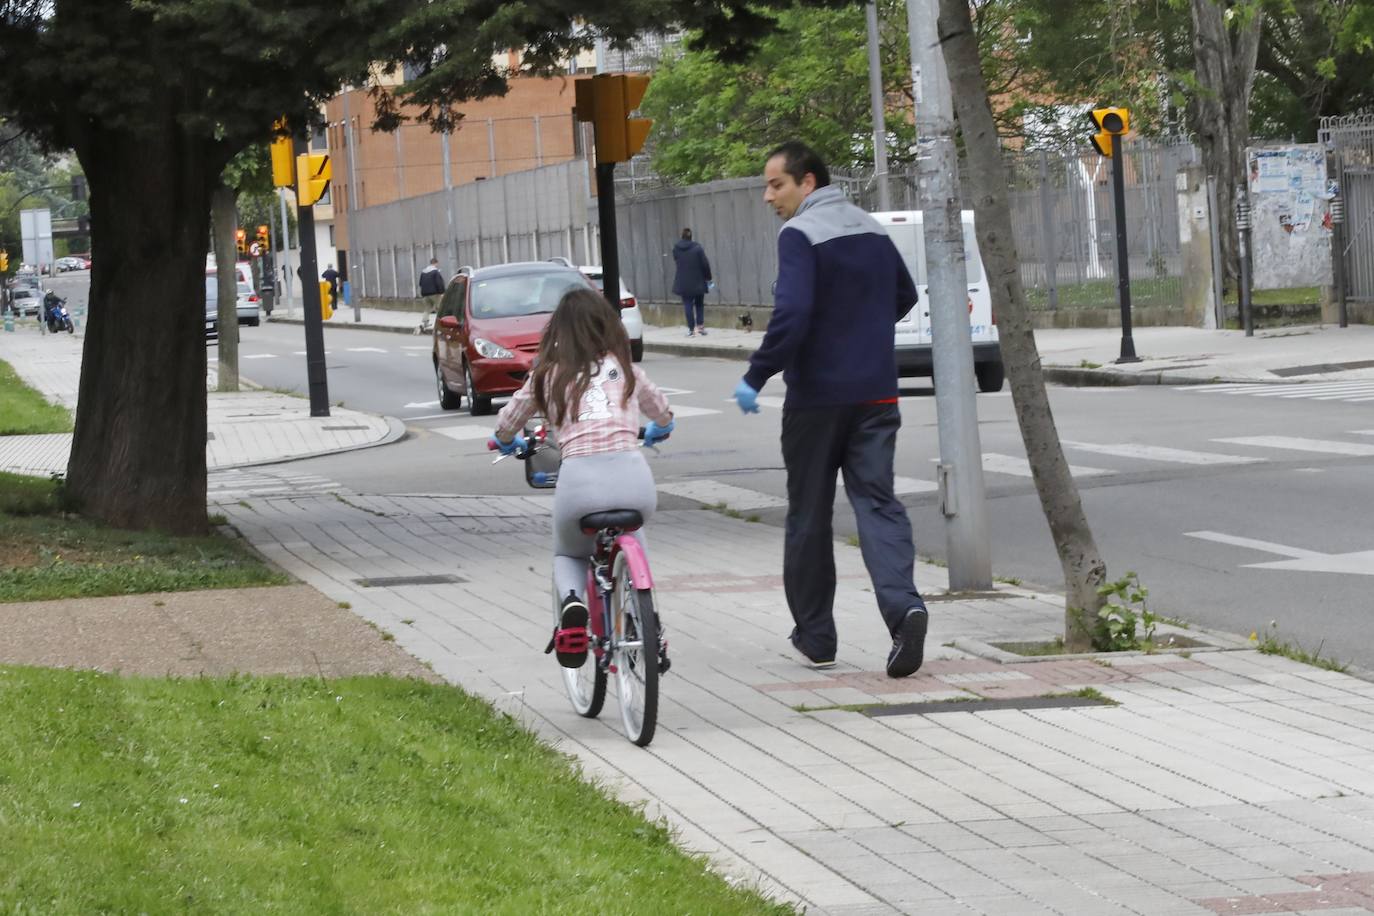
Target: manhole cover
x: 925, y: 709
x: 393, y: 581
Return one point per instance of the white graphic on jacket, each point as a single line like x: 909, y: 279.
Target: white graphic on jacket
x: 596, y: 405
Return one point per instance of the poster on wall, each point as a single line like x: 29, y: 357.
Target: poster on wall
x: 1290, y: 213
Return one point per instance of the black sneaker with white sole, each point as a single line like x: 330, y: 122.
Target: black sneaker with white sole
x: 909, y: 646
x: 820, y: 664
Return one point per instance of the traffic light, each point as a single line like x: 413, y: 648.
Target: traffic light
x: 1108, y: 121
x: 314, y: 171
x: 264, y: 239
x: 607, y: 101
x: 4, y: 260
x: 326, y: 300
x: 283, y: 156
x: 241, y: 241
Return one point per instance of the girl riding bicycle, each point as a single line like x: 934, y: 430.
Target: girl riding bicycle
x: 583, y: 382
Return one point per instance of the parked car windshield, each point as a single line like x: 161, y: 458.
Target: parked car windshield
x: 522, y: 294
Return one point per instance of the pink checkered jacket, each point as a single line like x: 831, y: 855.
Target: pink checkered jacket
x: 603, y: 422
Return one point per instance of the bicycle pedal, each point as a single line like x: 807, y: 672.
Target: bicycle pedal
x: 664, y: 664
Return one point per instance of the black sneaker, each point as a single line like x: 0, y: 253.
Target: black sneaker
x: 819, y: 664
x: 571, y: 639
x: 909, y: 646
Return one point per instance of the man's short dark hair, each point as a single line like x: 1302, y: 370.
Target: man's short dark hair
x: 687, y: 233
x: 798, y: 159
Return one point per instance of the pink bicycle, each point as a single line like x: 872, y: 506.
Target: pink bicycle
x: 623, y: 636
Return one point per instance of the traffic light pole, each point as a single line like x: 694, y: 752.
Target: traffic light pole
x: 1123, y: 265
x: 610, y: 250
x: 310, y: 302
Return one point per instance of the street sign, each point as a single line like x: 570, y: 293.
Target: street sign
x: 255, y: 250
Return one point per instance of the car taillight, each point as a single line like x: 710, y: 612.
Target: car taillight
x: 253, y: 298
x: 970, y: 306
x: 627, y: 303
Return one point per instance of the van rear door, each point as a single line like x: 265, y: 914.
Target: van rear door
x: 905, y: 230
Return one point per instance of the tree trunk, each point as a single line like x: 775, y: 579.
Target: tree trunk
x: 223, y: 221
x: 987, y: 180
x: 138, y: 455
x: 1224, y: 61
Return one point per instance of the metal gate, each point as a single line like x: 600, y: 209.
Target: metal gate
x: 1351, y: 141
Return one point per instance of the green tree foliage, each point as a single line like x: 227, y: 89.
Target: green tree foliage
x: 809, y: 79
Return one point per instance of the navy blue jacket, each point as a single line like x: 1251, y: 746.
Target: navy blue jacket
x: 841, y: 288
x: 693, y: 270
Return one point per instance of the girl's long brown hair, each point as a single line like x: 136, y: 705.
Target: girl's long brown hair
x: 584, y: 328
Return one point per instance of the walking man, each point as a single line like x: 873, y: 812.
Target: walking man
x: 841, y: 288
x: 331, y: 276
x: 690, y: 281
x: 431, y: 284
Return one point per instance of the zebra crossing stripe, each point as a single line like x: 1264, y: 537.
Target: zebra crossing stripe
x: 1160, y: 453
x: 712, y: 492
x: 1298, y: 444
x: 994, y: 463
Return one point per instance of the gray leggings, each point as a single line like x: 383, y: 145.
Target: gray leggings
x: 594, y: 483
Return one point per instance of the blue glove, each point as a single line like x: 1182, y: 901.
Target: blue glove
x: 653, y: 433
x: 518, y: 444
x: 746, y: 397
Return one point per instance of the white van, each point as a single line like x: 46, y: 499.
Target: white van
x: 913, y: 331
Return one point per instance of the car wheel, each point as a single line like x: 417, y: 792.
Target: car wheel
x: 478, y: 406
x: 637, y: 350
x: 447, y: 399
x: 990, y: 376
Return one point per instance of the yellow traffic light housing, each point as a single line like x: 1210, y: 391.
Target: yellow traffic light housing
x: 241, y: 241
x: 1109, y: 122
x: 326, y: 301
x: 607, y: 101
x: 4, y: 261
x: 264, y: 239
x: 283, y: 156
x: 314, y: 172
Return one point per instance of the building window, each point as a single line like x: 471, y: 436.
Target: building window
x: 331, y: 235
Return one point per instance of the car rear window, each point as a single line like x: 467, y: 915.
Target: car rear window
x: 912, y: 249
x: 522, y: 294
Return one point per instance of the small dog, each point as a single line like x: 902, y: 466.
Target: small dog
x: 746, y: 322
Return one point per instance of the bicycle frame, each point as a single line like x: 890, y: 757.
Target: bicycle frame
x: 609, y: 545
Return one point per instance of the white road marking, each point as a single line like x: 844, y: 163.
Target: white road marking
x: 1297, y: 444
x: 1358, y: 563
x: 415, y: 404
x: 303, y: 353
x: 1160, y: 453
x: 764, y: 400
x: 465, y: 433
x: 366, y: 350
x: 712, y: 492
x: 1020, y: 467
x: 674, y: 392
x: 418, y: 347
x: 1362, y: 432
x: 689, y: 411
x: 259, y: 356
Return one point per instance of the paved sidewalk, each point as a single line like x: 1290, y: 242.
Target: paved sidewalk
x: 1226, y: 781
x: 245, y: 428
x: 1081, y: 356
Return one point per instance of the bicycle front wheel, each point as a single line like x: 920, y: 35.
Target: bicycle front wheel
x: 635, y: 654
x: 586, y: 686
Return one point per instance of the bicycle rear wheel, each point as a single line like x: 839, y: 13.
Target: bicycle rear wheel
x: 586, y: 685
x: 635, y: 654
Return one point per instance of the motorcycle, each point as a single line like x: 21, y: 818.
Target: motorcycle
x: 57, y: 316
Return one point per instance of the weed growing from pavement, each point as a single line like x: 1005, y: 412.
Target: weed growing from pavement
x: 23, y: 411
x: 725, y: 510
x: 1125, y: 626
x: 1007, y: 580
x: 852, y: 540
x: 408, y: 621
x: 1083, y: 693
x: 1270, y: 644
x: 344, y: 605
x: 49, y: 553
x: 288, y: 794
x: 216, y: 519
x: 353, y: 505
x: 1087, y: 364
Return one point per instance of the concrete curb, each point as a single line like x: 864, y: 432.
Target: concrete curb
x: 361, y: 326
x: 699, y: 350
x: 396, y: 430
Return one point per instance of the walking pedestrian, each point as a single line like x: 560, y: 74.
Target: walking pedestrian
x: 841, y: 287
x: 331, y: 276
x: 690, y: 281
x: 432, y: 284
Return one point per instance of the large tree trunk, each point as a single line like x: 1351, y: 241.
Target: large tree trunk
x: 223, y: 221
x: 1224, y: 60
x: 987, y: 180
x: 138, y: 456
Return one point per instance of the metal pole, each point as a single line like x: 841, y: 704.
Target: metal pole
x: 1049, y: 241
x: 1243, y: 227
x: 875, y: 97
x: 310, y: 303
x: 1123, y: 264
x: 963, y: 499
x: 605, y: 211
x: 1338, y: 254
x: 355, y: 288
x: 286, y: 253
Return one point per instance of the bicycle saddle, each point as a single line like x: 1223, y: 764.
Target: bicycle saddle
x: 623, y: 519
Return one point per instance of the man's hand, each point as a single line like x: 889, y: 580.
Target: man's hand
x: 746, y: 397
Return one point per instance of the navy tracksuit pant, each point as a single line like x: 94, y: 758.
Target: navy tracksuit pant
x: 860, y: 441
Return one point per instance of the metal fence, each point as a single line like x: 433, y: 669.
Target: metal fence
x: 529, y: 215
x: 1351, y: 141
x: 1062, y: 218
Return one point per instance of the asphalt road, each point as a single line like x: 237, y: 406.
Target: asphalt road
x: 1202, y: 520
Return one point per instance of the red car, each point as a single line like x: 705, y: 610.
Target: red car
x: 487, y: 332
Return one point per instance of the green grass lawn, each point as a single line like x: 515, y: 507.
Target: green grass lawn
x: 45, y: 553
x: 363, y: 795
x: 23, y: 410
x: 1102, y: 294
